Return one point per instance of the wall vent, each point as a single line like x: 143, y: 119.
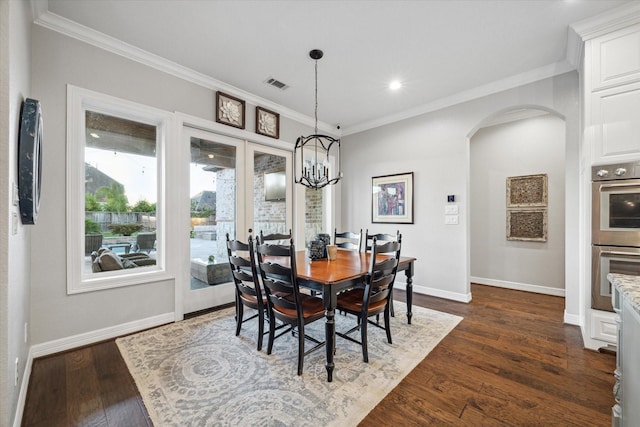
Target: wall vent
x: 276, y: 83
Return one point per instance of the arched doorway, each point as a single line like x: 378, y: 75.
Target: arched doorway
x: 517, y: 142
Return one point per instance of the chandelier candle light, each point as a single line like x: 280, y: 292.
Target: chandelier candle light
x: 314, y: 172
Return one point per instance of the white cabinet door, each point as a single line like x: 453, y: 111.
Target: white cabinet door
x: 615, y: 124
x: 616, y: 58
x: 630, y: 378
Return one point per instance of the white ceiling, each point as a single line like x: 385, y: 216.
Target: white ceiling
x: 442, y: 51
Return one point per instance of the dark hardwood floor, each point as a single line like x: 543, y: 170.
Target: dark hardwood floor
x: 511, y: 361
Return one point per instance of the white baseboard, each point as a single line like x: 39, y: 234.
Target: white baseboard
x: 417, y: 289
x: 573, y: 319
x: 92, y: 337
x: 519, y: 286
x: 24, y: 385
x: 80, y: 340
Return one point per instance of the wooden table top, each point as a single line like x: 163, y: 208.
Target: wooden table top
x: 347, y: 266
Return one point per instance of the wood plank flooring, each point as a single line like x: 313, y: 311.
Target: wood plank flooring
x: 510, y: 362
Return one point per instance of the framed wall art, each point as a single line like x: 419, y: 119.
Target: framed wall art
x: 230, y: 110
x: 527, y: 225
x: 267, y: 123
x: 527, y: 191
x: 392, y: 199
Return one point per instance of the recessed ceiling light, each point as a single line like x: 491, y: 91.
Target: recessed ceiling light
x: 395, y: 85
x: 211, y: 156
x: 94, y: 135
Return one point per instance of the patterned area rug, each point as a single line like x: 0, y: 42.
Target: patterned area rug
x: 198, y: 373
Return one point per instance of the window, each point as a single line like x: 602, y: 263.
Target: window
x: 114, y: 191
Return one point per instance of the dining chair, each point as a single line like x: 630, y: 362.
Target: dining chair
x: 285, y: 302
x: 279, y: 238
x: 347, y: 240
x: 380, y: 238
x: 374, y: 299
x: 248, y: 290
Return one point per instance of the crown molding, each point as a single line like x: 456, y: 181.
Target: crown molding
x: 103, y: 41
x: 607, y: 22
x: 465, y: 96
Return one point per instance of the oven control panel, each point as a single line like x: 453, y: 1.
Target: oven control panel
x: 617, y: 171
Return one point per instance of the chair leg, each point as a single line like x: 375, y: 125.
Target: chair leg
x: 300, y: 348
x: 239, y: 318
x: 260, y: 327
x: 272, y: 331
x: 363, y: 339
x: 387, y: 325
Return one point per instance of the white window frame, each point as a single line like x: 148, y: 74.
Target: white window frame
x: 78, y: 102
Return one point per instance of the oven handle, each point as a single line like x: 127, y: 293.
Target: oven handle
x: 619, y: 253
x: 618, y: 185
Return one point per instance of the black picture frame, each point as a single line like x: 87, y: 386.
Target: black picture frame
x: 230, y: 110
x: 267, y: 123
x: 30, y: 160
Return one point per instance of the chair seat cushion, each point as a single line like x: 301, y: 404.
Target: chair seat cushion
x: 312, y: 307
x: 252, y: 299
x: 351, y: 300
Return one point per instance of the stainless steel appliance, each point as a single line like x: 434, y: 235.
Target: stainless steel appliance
x: 615, y: 227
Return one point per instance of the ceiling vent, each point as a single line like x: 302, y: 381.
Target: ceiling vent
x: 276, y: 83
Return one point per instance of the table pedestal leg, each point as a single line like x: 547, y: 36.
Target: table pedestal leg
x: 330, y: 338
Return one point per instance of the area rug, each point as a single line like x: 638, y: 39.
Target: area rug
x: 198, y: 373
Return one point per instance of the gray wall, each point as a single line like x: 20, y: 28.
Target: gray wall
x: 435, y: 146
x: 524, y: 147
x: 15, y: 277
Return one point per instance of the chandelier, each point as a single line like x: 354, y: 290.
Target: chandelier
x: 312, y: 153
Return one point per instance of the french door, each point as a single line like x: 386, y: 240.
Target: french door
x: 233, y: 186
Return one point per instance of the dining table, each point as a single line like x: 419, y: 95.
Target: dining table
x: 332, y: 277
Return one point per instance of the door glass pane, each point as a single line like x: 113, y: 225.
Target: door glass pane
x: 213, y: 210
x: 120, y: 193
x: 269, y: 194
x: 314, y: 216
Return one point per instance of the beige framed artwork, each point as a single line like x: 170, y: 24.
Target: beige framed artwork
x: 527, y: 191
x: 527, y: 225
x: 230, y: 110
x: 267, y: 123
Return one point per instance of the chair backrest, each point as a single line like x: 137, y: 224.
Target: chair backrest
x: 382, y: 273
x: 280, y: 281
x: 145, y: 241
x: 380, y: 238
x: 347, y: 240
x: 279, y: 238
x: 243, y: 270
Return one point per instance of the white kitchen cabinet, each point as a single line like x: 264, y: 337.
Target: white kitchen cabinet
x: 615, y: 58
x: 615, y: 114
x: 630, y: 364
x: 626, y: 303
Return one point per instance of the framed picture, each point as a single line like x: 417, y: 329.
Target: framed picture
x: 527, y: 191
x: 229, y: 110
x: 392, y: 199
x: 527, y: 225
x: 267, y: 123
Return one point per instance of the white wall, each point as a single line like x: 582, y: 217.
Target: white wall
x: 435, y: 146
x: 15, y: 278
x: 58, y: 61
x: 523, y: 147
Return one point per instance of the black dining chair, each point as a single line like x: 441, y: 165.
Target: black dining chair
x: 248, y: 290
x: 279, y: 238
x: 380, y: 238
x: 374, y: 299
x: 284, y: 299
x: 347, y: 240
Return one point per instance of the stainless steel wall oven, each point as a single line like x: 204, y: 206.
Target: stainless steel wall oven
x: 615, y: 227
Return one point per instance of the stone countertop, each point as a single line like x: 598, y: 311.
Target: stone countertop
x: 628, y: 286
